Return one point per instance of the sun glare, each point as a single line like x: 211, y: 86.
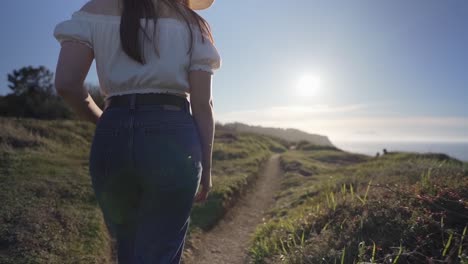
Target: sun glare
x: 308, y: 85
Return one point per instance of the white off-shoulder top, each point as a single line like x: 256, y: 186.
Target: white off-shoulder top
x: 119, y: 74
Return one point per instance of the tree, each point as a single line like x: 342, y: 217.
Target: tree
x: 32, y: 81
x: 33, y: 95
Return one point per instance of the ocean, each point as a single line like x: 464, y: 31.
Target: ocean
x: 455, y: 150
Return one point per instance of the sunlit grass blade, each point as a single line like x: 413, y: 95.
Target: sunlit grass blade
x: 399, y: 253
x: 325, y: 226
x: 373, y: 253
x: 342, y: 223
x: 360, y: 199
x: 283, y: 248
x: 302, y: 237
x: 447, y: 245
x: 461, y: 240
x: 332, y: 197
x: 367, y: 191
x: 343, y: 255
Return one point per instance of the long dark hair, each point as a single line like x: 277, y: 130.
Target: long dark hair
x: 134, y: 10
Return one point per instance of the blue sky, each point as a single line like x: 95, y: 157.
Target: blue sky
x: 384, y: 70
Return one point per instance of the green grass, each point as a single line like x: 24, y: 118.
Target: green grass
x: 48, y: 211
x: 399, y: 208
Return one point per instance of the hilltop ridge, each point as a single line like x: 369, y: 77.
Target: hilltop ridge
x: 289, y: 134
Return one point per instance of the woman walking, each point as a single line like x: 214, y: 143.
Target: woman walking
x: 150, y: 157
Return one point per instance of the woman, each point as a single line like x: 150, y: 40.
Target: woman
x: 152, y: 146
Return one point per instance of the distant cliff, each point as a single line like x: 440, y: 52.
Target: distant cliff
x: 290, y: 134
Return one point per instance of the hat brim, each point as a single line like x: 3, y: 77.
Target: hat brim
x: 200, y: 4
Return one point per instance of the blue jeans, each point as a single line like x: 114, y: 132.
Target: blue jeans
x: 145, y: 167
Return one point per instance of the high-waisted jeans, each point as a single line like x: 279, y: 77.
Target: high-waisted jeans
x: 145, y: 166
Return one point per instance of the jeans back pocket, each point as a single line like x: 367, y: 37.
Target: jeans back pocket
x: 172, y: 155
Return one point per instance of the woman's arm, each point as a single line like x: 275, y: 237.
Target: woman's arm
x: 202, y: 111
x: 73, y: 65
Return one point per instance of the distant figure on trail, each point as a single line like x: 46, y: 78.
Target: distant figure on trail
x: 385, y: 152
x: 151, y: 153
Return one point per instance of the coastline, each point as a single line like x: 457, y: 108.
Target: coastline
x: 458, y: 150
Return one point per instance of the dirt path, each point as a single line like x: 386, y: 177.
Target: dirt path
x: 228, y: 241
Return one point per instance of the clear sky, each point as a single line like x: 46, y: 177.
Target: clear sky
x: 352, y: 70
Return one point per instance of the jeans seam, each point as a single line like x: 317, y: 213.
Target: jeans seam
x: 108, y: 161
x: 111, y: 132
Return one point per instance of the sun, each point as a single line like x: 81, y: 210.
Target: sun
x: 308, y: 85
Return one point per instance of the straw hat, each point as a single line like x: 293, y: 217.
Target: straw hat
x: 200, y: 4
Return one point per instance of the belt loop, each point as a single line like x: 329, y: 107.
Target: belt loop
x: 106, y: 103
x: 132, y: 101
x: 187, y: 106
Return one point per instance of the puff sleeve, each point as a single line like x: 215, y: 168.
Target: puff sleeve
x: 74, y: 29
x: 205, y: 56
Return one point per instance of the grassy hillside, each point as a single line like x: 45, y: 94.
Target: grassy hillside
x: 339, y: 207
x: 48, y: 212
